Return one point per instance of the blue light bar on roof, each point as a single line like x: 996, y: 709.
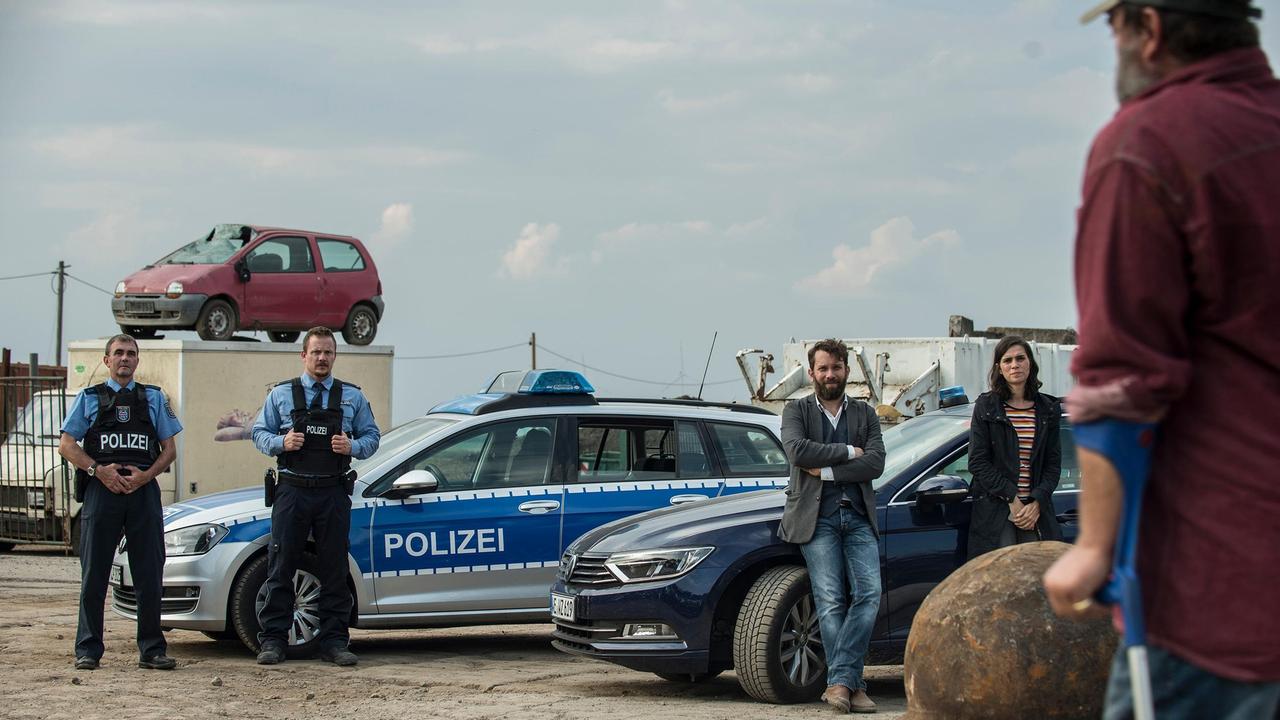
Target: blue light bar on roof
x: 555, y: 382
x: 953, y: 395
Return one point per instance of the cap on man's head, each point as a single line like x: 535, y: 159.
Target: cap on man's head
x: 1230, y: 9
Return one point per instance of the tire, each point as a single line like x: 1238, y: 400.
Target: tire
x: 361, y: 327
x: 283, y: 336
x: 223, y: 637
x: 217, y: 321
x: 777, y: 651
x: 688, y: 677
x: 248, y: 594
x: 6, y: 546
x: 138, y: 333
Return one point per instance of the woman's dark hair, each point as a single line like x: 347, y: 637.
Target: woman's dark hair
x: 998, y: 384
x: 1192, y: 36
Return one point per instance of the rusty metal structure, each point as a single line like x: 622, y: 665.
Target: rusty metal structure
x: 985, y: 644
x: 34, y: 479
x: 901, y: 377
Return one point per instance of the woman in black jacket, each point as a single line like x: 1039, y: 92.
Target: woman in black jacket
x: 1015, y: 454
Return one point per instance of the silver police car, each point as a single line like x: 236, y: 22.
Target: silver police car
x: 462, y: 515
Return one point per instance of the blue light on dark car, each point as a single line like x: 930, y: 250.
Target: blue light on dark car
x: 954, y: 395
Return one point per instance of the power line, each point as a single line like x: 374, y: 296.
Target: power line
x: 625, y: 377
x: 31, y: 275
x: 458, y: 355
x: 95, y: 287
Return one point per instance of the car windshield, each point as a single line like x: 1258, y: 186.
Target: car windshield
x: 914, y: 439
x: 401, y: 437
x: 213, y: 249
x: 40, y: 421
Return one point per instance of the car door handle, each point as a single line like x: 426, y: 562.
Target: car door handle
x: 539, y: 507
x: 1069, y: 516
x: 682, y: 499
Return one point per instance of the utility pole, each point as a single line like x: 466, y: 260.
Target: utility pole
x: 533, y: 351
x: 62, y: 287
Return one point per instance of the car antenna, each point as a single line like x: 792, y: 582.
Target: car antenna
x: 708, y: 365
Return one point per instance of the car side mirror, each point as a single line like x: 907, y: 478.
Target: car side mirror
x: 242, y: 270
x: 942, y: 490
x: 414, y: 482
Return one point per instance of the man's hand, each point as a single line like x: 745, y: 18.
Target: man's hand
x: 1071, y: 582
x: 293, y: 440
x: 1028, y: 516
x: 816, y: 472
x: 136, y: 479
x: 111, y: 478
x: 341, y: 444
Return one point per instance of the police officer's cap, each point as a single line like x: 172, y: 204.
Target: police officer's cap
x: 1230, y: 9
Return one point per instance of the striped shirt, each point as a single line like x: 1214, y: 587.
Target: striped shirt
x: 1024, y: 424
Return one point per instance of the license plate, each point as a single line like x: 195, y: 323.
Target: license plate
x: 562, y: 607
x: 139, y: 306
x: 117, y: 575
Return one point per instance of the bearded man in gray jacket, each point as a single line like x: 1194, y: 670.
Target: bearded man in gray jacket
x: 834, y: 445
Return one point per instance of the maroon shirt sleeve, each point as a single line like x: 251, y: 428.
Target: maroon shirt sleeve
x: 1132, y: 290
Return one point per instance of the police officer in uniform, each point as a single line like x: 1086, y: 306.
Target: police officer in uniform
x: 313, y: 425
x: 128, y: 431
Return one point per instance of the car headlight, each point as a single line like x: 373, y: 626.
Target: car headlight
x: 120, y: 288
x: 174, y: 290
x: 647, y: 565
x: 194, y: 540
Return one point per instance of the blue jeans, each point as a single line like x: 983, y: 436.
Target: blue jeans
x: 844, y: 570
x: 1181, y: 691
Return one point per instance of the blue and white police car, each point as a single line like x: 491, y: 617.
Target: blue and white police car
x: 463, y: 514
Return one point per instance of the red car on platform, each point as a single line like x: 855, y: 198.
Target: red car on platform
x: 247, y: 277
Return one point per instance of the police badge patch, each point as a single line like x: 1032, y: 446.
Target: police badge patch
x: 122, y: 413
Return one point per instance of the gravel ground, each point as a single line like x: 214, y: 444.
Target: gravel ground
x: 508, y: 671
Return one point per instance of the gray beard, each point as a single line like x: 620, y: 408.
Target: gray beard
x: 1131, y: 79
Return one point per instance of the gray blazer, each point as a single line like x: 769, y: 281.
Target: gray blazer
x: 803, y: 428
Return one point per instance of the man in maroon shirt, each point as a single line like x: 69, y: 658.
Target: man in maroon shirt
x: 1178, y: 286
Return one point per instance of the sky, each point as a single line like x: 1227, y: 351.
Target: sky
x: 625, y: 179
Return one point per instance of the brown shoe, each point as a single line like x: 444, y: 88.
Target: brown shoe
x: 860, y: 703
x: 837, y: 696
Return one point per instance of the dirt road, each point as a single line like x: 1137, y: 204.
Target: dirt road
x: 509, y: 671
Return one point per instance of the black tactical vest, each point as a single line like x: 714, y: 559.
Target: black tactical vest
x: 316, y: 458
x: 123, y: 432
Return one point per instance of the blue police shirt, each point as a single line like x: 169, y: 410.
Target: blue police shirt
x: 85, y: 409
x: 276, y: 417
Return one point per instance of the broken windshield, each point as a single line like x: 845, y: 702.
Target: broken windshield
x: 213, y: 249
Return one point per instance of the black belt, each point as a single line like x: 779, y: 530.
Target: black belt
x: 310, y: 482
x: 846, y: 503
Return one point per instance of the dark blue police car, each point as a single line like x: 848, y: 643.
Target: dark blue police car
x: 687, y: 593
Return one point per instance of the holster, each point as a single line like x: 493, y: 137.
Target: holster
x: 349, y: 481
x: 269, y: 487
x: 81, y: 484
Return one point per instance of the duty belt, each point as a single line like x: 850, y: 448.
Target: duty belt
x: 310, y: 482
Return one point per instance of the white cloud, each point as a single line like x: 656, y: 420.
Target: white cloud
x: 855, y: 270
x: 644, y: 235
x: 127, y: 14
x: 682, y: 106
x: 810, y: 83
x: 110, y: 236
x: 145, y: 149
x: 397, y: 223
x: 531, y: 253
x: 1080, y: 99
